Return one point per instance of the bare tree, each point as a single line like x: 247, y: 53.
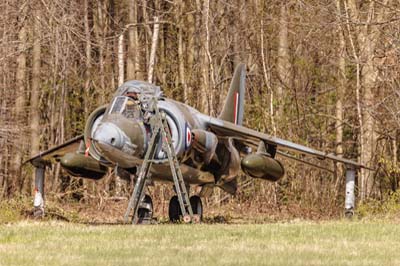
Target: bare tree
x: 35, y: 87
x: 283, y: 64
x: 367, y: 36
x: 88, y: 53
x: 133, y: 54
x: 153, y: 50
x: 340, y: 89
x: 20, y: 99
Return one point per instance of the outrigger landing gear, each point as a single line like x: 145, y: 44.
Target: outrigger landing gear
x: 38, y: 202
x: 350, y: 198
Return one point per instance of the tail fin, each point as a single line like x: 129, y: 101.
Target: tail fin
x: 234, y: 103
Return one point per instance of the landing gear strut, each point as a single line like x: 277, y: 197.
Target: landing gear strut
x: 175, y: 213
x: 38, y: 202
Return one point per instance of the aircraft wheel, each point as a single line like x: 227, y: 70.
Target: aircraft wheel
x: 38, y: 213
x: 197, y: 207
x: 174, y: 210
x: 145, y: 211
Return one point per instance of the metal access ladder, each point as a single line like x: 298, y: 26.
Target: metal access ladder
x: 160, y: 133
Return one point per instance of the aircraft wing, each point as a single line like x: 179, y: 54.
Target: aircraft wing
x: 56, y: 152
x: 252, y: 138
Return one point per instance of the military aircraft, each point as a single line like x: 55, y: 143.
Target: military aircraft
x: 211, y: 151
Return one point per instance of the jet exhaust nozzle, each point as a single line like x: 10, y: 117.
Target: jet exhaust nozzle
x: 262, y: 166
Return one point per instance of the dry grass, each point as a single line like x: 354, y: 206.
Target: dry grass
x: 298, y: 243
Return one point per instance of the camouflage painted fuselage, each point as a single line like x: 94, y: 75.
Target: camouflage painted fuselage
x: 121, y: 139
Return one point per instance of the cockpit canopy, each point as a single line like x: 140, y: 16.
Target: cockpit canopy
x: 130, y: 96
x: 127, y: 106
x: 138, y: 87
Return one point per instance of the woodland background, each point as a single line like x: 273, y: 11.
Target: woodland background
x: 321, y: 73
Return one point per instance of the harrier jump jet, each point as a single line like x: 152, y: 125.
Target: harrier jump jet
x: 211, y: 151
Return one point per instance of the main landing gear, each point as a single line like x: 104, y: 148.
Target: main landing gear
x: 145, y: 211
x: 175, y: 213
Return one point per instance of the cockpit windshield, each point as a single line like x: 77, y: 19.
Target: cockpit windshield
x: 127, y: 106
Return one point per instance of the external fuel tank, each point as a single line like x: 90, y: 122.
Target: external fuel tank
x: 262, y: 166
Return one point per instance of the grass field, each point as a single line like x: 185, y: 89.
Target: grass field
x: 298, y: 243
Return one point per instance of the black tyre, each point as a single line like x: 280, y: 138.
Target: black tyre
x: 174, y: 210
x: 145, y: 211
x: 197, y: 206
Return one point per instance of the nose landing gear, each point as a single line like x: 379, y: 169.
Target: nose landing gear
x: 145, y: 211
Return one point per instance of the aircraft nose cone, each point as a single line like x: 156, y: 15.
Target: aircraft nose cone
x: 110, y: 134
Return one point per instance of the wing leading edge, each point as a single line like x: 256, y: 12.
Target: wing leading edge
x: 252, y: 138
x: 56, y: 152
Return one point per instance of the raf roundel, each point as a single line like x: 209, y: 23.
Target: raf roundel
x: 188, y: 137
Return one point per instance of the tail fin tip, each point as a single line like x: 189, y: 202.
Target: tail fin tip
x: 234, y: 104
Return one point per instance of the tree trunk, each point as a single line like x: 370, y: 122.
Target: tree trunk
x: 120, y: 59
x: 88, y: 65
x: 191, y: 54
x: 20, y: 102
x: 35, y: 88
x: 395, y: 182
x: 394, y: 145
x: 367, y: 36
x: 132, y: 60
x: 88, y: 61
x: 369, y: 74
x: 181, y: 56
x: 340, y: 90
x: 99, y: 29
x: 267, y: 78
x: 153, y: 50
x: 205, y: 84
x: 146, y: 19
x: 283, y: 64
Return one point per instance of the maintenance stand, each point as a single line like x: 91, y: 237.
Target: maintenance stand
x: 160, y: 134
